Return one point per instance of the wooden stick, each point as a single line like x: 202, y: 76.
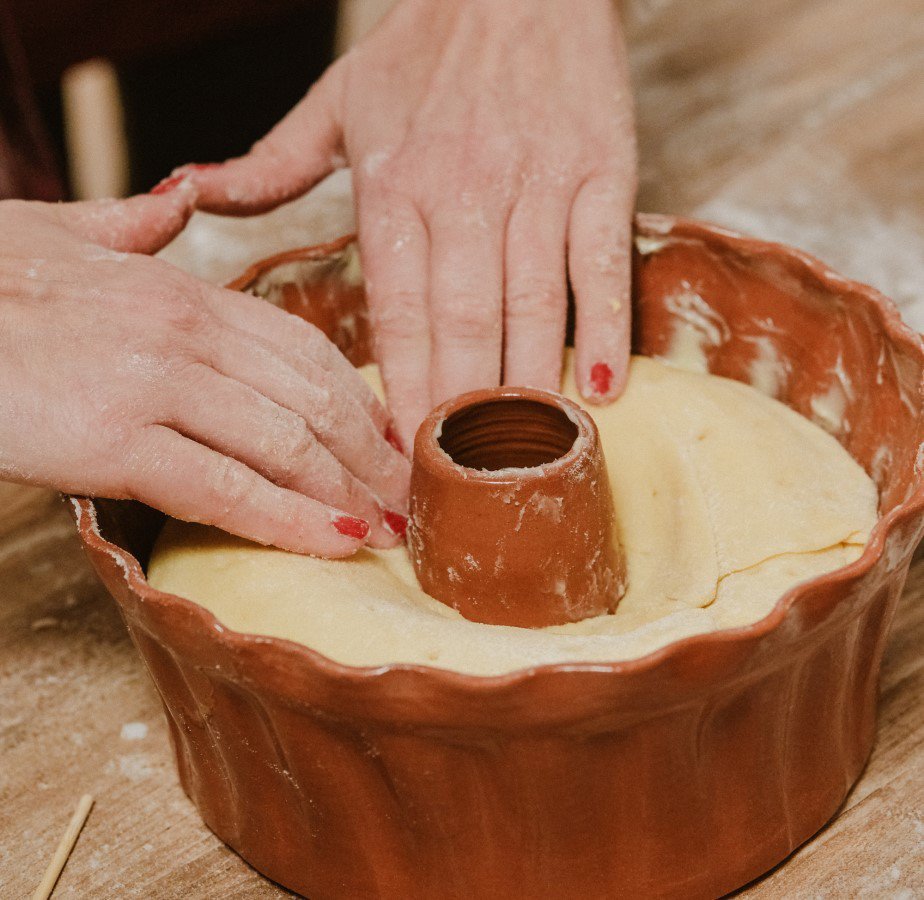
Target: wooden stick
x: 68, y: 839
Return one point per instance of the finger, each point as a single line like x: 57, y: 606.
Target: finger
x: 293, y: 157
x: 191, y: 482
x: 394, y: 246
x: 237, y: 421
x: 141, y: 224
x: 466, y: 300
x: 333, y: 416
x: 535, y: 292
x: 300, y: 341
x: 599, y: 263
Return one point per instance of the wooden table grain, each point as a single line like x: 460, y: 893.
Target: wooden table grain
x: 79, y: 715
x: 800, y: 120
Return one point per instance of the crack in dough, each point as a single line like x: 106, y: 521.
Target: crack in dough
x: 847, y: 542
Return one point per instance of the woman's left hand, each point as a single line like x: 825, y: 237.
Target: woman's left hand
x: 493, y: 154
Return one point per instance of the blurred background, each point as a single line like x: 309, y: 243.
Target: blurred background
x: 101, y: 98
x: 794, y: 120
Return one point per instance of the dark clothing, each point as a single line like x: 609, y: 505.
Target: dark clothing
x: 27, y: 165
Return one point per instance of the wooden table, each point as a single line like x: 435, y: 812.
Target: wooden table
x: 78, y: 714
x: 802, y: 121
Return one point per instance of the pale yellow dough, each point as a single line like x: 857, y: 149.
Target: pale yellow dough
x: 725, y: 498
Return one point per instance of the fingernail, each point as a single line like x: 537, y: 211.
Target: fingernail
x: 391, y: 435
x: 601, y: 378
x: 351, y: 526
x: 167, y: 184
x: 395, y: 522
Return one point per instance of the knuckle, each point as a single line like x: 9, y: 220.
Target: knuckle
x: 189, y: 378
x: 398, y: 314
x: 295, y: 447
x: 475, y: 204
x: 307, y: 340
x: 488, y: 149
x: 181, y: 382
x: 229, y: 487
x: 354, y: 494
x: 182, y: 311
x: 115, y: 413
x: 306, y: 331
x: 555, y: 166
x: 399, y: 228
x: 615, y: 183
x: 116, y: 424
x: 601, y: 189
x: 534, y: 297
x: 469, y: 316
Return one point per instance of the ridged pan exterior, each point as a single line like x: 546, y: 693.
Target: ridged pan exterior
x: 685, y: 773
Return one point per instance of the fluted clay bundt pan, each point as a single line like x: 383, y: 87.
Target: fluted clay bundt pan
x: 682, y: 774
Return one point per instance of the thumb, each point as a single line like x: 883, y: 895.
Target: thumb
x: 301, y: 150
x: 141, y: 224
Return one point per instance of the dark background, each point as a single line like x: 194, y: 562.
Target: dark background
x: 200, y: 80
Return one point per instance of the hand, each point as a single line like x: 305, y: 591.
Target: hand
x: 486, y: 138
x: 124, y: 377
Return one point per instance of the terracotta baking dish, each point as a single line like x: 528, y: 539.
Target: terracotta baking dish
x: 683, y: 774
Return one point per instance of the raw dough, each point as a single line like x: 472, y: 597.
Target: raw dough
x: 725, y: 498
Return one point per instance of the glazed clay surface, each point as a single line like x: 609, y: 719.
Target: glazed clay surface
x: 682, y: 774
x: 725, y: 500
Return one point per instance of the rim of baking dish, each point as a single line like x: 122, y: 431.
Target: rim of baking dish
x: 214, y: 630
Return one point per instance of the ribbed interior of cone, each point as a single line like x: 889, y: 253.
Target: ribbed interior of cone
x: 507, y: 433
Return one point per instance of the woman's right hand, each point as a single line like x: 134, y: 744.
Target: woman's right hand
x: 124, y: 377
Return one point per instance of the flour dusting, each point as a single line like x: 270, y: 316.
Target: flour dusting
x: 884, y: 249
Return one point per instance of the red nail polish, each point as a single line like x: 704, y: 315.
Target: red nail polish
x: 351, y: 526
x: 392, y: 437
x: 168, y: 184
x: 601, y: 377
x: 395, y: 522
